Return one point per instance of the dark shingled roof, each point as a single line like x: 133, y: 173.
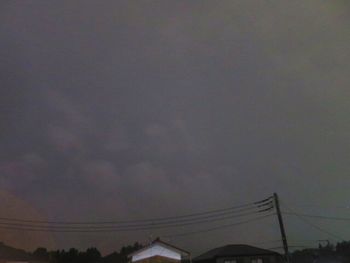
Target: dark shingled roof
x: 234, y: 250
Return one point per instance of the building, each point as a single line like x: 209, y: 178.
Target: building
x: 159, y: 252
x: 239, y: 254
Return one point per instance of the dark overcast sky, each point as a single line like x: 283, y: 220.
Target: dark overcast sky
x: 135, y: 109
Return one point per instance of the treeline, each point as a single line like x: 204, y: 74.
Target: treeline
x: 327, y: 253
x: 91, y: 255
x: 339, y: 253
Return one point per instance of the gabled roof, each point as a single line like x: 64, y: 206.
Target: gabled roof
x: 234, y: 250
x: 157, y: 241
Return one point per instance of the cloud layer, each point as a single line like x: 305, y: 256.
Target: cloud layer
x: 137, y: 109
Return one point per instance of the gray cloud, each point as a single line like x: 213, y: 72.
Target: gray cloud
x: 126, y: 109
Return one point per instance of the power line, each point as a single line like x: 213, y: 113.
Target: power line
x: 253, y: 205
x: 218, y: 227
x: 33, y: 229
x: 294, y: 243
x: 262, y: 206
x: 319, y: 228
x: 300, y: 217
x: 322, y: 206
x: 274, y: 248
x: 128, y: 227
x: 214, y: 217
x: 320, y: 216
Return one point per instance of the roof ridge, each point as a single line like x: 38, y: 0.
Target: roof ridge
x: 234, y: 249
x: 160, y: 242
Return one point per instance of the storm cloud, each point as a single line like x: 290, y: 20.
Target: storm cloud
x: 135, y: 109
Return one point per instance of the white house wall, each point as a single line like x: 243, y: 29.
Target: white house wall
x: 156, y: 250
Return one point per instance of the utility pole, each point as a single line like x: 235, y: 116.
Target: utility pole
x: 283, y: 232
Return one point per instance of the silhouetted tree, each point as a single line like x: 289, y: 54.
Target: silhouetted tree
x: 122, y: 255
x: 41, y: 254
x: 92, y: 255
x: 343, y: 250
x: 327, y: 250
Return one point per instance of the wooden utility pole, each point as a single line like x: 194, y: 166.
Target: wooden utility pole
x: 283, y: 232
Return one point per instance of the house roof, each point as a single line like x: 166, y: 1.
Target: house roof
x: 234, y: 250
x: 164, y: 244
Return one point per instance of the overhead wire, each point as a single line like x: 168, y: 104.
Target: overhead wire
x: 262, y: 206
x: 321, y: 206
x: 133, y: 227
x: 252, y: 205
x: 300, y: 217
x: 319, y: 216
x: 218, y: 227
